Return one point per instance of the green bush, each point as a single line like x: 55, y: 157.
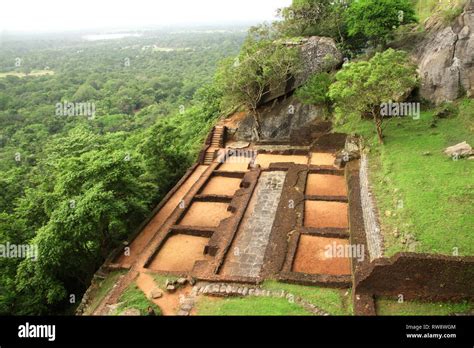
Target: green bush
x: 377, y: 19
x: 315, y: 90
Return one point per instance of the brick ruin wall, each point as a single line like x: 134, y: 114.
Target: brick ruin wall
x: 420, y: 277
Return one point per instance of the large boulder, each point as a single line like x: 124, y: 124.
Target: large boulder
x: 446, y: 58
x: 317, y: 54
x: 280, y: 120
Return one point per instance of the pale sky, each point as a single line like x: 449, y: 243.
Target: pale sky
x: 59, y: 15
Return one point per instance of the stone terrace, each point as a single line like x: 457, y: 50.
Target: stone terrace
x: 256, y: 232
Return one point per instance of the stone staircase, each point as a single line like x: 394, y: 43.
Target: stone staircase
x: 217, y: 142
x: 209, y: 157
x: 218, y: 137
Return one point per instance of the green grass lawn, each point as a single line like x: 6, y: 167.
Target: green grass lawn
x: 333, y: 301
x: 421, y: 193
x: 410, y: 308
x: 249, y: 306
x: 102, y: 290
x: 133, y: 297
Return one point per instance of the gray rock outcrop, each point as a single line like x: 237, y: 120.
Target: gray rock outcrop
x: 446, y: 59
x: 280, y: 120
x: 317, y: 54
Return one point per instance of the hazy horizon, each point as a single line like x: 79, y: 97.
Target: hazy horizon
x: 31, y: 16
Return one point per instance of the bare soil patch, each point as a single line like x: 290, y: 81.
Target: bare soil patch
x: 235, y: 165
x: 322, y: 159
x: 179, y: 253
x: 312, y: 256
x: 320, y: 214
x: 326, y: 185
x: 234, y: 120
x: 205, y: 214
x: 220, y: 185
x: 264, y: 160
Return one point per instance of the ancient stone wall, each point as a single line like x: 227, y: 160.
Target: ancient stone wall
x: 372, y: 227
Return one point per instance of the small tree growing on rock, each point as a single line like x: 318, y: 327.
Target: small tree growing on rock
x: 262, y: 67
x: 315, y: 90
x: 362, y: 87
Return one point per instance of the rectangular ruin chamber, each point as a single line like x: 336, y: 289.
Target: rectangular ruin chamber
x: 322, y: 159
x: 323, y: 214
x: 239, y: 164
x: 264, y: 160
x: 179, y: 253
x: 322, y: 256
x: 326, y: 185
x: 205, y: 214
x: 221, y: 186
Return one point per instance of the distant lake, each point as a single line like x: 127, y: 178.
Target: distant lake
x: 98, y: 37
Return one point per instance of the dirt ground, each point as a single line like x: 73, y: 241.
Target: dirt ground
x: 205, y: 214
x: 234, y: 120
x: 322, y: 159
x: 326, y: 185
x: 179, y: 254
x: 235, y: 165
x: 319, y: 214
x: 317, y: 255
x: 154, y: 225
x: 264, y: 160
x: 220, y: 185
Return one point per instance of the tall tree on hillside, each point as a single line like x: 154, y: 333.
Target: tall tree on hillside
x: 314, y: 17
x: 377, y: 19
x: 362, y: 87
x: 94, y: 198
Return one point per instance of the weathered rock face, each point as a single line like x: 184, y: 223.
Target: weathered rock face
x: 318, y: 54
x: 279, y: 121
x: 446, y: 59
x: 280, y: 116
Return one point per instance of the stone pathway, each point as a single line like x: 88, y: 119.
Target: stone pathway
x: 247, y: 253
x: 186, y: 304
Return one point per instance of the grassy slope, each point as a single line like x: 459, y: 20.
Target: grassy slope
x: 249, y: 306
x: 333, y: 301
x: 133, y: 297
x: 437, y: 192
x: 102, y: 290
x: 392, y: 307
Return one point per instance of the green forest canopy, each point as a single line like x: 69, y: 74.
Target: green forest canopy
x: 75, y: 184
